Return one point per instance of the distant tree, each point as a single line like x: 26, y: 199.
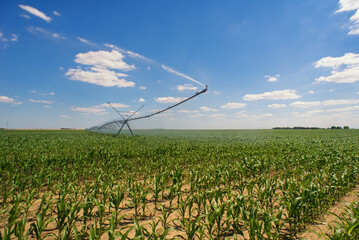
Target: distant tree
x: 333, y: 127
x: 346, y: 127
x: 338, y: 127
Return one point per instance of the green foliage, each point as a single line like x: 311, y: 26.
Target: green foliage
x: 265, y: 184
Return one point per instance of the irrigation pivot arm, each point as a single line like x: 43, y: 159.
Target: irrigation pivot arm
x: 175, y: 105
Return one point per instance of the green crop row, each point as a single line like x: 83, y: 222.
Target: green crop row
x: 254, y: 184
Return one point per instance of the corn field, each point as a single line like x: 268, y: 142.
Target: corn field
x: 215, y: 184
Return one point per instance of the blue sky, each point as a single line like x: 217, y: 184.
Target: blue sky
x: 266, y: 63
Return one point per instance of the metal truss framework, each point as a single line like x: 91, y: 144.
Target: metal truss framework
x: 121, y: 123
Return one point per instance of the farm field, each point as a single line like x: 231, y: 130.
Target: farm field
x: 164, y: 184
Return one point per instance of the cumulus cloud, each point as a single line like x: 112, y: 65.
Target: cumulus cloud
x: 217, y: 92
x: 5, y: 99
x: 64, y: 116
x: 89, y: 110
x: 40, y: 101
x: 184, y: 87
x: 35, y: 12
x: 277, y: 106
x: 116, y: 105
x: 104, y: 59
x: 12, y: 38
x: 56, y: 13
x: 272, y: 78
x: 42, y: 94
x: 232, y: 105
x: 208, y: 109
x: 275, y: 95
x: 339, y: 111
x: 141, y: 100
x: 305, y: 104
x: 187, y: 111
x: 345, y: 69
x: 169, y: 99
x: 344, y: 109
x: 243, y: 114
x: 351, y: 5
x: 99, y: 76
x: 142, y: 88
x: 196, y: 115
x: 311, y: 92
x: 332, y: 102
x: 307, y: 114
x: 340, y: 102
x: 217, y: 115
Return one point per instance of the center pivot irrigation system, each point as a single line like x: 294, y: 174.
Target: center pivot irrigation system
x: 121, y: 123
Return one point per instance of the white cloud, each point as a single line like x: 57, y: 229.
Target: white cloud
x: 5, y: 99
x: 321, y: 111
x: 345, y: 109
x: 13, y: 37
x: 89, y: 110
x: 56, y: 13
x: 45, y: 32
x: 243, y: 114
x: 184, y: 87
x: 275, y: 95
x: 57, y: 35
x: 345, y: 68
x: 217, y: 92
x: 232, y: 105
x: 266, y: 115
x: 142, y: 88
x: 307, y: 114
x: 187, y: 111
x: 25, y: 16
x: 340, y: 102
x: 104, y: 59
x: 99, y: 76
x: 43, y: 94
x: 47, y: 106
x: 86, y: 41
x: 325, y: 103
x: 61, y: 68
x: 277, y: 106
x: 129, y: 53
x: 65, y: 116
x: 311, y: 92
x: 115, y: 105
x: 169, y: 99
x: 351, y: 5
x: 207, y: 109
x: 305, y: 104
x: 217, y: 115
x: 170, y: 70
x: 141, y: 100
x: 272, y: 78
x: 196, y: 115
x: 41, y: 101
x: 35, y: 12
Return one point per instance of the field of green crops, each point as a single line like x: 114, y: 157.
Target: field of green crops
x: 251, y: 184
